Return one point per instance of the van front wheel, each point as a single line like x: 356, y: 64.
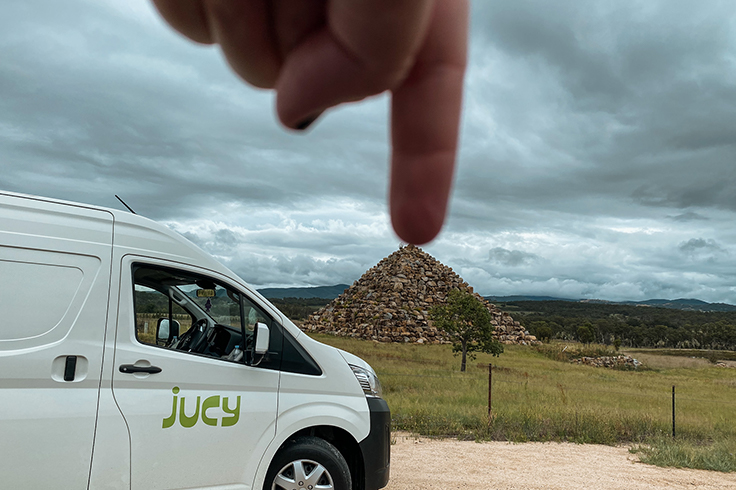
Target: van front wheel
x: 309, y: 463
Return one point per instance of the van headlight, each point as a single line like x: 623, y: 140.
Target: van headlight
x: 368, y: 381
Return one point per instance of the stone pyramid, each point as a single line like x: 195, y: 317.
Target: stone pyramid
x: 391, y: 303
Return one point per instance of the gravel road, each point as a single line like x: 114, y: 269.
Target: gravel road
x: 427, y: 464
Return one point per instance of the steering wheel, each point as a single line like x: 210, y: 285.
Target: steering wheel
x: 192, y: 337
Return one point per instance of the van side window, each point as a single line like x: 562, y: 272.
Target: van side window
x: 192, y: 313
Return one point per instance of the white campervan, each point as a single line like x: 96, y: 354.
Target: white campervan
x: 130, y: 358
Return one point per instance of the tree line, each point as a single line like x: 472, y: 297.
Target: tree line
x: 298, y: 308
x: 625, y: 325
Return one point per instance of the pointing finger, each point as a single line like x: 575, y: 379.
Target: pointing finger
x: 425, y: 116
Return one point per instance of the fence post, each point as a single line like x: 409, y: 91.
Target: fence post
x: 490, y: 398
x: 673, y: 411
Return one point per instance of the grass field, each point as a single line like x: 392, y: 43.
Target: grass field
x: 537, y: 398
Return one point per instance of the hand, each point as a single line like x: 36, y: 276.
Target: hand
x: 318, y: 54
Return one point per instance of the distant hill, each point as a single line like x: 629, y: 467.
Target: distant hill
x: 506, y: 299
x: 332, y: 292
x: 323, y: 292
x: 683, y: 304
x: 688, y: 304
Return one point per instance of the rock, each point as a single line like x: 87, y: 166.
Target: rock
x: 608, y: 362
x: 391, y: 303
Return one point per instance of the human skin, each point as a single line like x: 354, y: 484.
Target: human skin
x: 317, y: 54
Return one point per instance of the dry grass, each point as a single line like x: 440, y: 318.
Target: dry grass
x: 669, y: 362
x: 666, y: 452
x: 536, y: 398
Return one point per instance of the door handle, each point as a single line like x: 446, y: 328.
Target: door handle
x: 70, y: 368
x: 132, y: 369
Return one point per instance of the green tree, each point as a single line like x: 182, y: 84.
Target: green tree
x: 585, y: 334
x: 541, y: 330
x: 468, y: 323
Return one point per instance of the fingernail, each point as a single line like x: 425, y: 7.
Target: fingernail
x: 307, y: 122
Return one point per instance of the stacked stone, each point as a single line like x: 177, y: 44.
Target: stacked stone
x: 391, y: 303
x: 610, y: 362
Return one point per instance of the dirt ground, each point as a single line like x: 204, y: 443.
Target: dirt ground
x: 427, y: 464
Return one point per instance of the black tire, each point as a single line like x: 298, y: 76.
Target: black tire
x: 308, y: 463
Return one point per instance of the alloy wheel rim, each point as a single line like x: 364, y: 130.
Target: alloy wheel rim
x: 303, y: 474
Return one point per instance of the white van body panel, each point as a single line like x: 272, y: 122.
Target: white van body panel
x: 314, y: 398
x: 333, y: 399
x: 222, y: 455
x: 54, y: 284
x: 110, y: 469
x: 111, y: 462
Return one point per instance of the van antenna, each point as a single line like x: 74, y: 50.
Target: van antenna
x: 129, y: 208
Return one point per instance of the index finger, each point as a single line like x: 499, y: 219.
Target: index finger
x: 425, y: 118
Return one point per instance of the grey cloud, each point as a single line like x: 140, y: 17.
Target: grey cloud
x: 301, y: 269
x: 134, y: 109
x: 597, y: 141
x: 699, y: 244
x: 512, y: 258
x: 227, y: 237
x: 291, y: 252
x: 661, y: 130
x: 544, y: 32
x: 688, y: 216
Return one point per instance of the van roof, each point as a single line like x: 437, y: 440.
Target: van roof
x: 140, y: 235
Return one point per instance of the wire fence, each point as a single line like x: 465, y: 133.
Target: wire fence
x: 665, y: 388
x: 580, y: 416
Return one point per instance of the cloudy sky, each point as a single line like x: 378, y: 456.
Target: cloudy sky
x: 597, y: 155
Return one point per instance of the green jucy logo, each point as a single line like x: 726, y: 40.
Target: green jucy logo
x: 209, y: 403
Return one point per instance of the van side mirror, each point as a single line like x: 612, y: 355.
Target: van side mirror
x: 260, y: 349
x: 262, y: 339
x: 165, y: 333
